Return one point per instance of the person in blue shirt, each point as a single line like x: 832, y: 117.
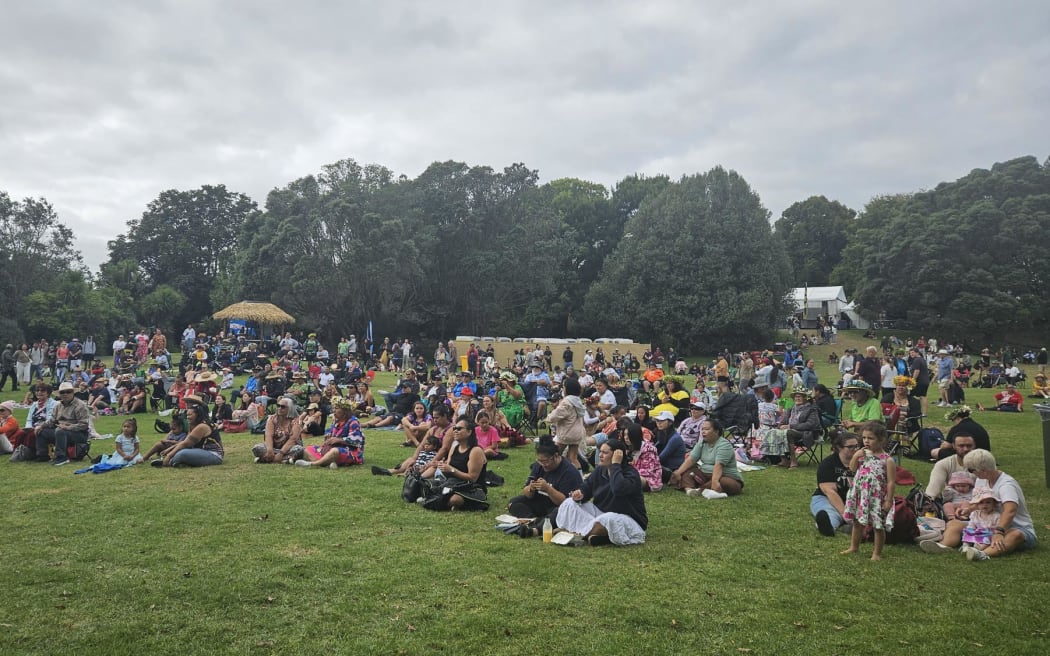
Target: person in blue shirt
x: 668, y: 443
x: 809, y: 375
x: 543, y: 385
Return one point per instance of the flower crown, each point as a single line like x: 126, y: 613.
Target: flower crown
x: 906, y: 381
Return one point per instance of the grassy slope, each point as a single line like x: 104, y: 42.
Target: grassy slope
x: 246, y: 559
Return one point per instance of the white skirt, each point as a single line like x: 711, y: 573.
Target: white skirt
x: 581, y: 517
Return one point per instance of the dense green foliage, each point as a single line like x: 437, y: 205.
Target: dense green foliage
x: 966, y: 260
x: 698, y: 264
x: 44, y: 288
x: 814, y: 232
x: 464, y: 249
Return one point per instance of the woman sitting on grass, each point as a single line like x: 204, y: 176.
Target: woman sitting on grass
x: 550, y: 482
x: 415, y: 425
x: 222, y: 411
x: 344, y: 443
x: 487, y: 436
x: 1014, y: 530
x: 249, y: 410
x: 364, y: 402
x: 440, y: 428
x: 710, y: 468
x: 283, y: 439
x: 458, y: 483
x: 1040, y: 388
x: 609, y: 508
x: 203, y: 444
x: 834, y: 477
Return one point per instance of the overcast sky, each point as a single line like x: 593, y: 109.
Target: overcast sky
x: 105, y: 104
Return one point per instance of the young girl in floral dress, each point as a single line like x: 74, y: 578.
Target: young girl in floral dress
x: 870, y: 499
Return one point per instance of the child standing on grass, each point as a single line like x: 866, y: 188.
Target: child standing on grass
x: 870, y: 499
x: 128, y: 442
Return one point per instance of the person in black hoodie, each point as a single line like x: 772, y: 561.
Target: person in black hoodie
x: 609, y: 508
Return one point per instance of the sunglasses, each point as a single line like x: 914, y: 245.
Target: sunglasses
x: 283, y: 405
x: 459, y: 428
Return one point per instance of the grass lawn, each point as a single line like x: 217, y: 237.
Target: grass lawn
x: 249, y: 559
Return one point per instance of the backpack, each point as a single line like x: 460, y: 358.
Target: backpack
x: 905, y: 525
x: 924, y: 505
x: 929, y: 439
x: 78, y: 451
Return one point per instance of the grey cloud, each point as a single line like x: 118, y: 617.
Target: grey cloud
x: 108, y: 104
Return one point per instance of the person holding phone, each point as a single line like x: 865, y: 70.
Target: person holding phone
x: 609, y: 508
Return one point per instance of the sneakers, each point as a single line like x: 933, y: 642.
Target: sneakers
x: 256, y: 461
x: 972, y: 553
x: 934, y: 547
x: 824, y: 524
x: 333, y: 465
x: 707, y: 494
x: 303, y: 463
x: 59, y: 463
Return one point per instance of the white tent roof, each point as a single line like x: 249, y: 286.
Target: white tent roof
x: 817, y: 295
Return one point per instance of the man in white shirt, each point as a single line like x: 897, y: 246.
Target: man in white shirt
x: 188, y: 337
x: 846, y: 363
x: 118, y: 348
x: 1013, y: 374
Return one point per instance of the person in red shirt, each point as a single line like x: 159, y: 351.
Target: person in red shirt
x: 1009, y: 400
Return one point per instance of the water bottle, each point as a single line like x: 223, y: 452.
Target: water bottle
x: 548, y: 530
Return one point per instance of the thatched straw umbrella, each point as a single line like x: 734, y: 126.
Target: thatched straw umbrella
x: 264, y: 314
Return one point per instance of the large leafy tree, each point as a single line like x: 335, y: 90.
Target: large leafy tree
x: 185, y: 240
x: 965, y: 260
x: 697, y: 268
x: 814, y: 233
x: 36, y: 256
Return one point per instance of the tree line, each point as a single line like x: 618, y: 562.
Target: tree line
x: 693, y: 263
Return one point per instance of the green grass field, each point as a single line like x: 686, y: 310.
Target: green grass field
x: 249, y: 559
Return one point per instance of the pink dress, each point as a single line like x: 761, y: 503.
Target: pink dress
x: 647, y: 462
x: 865, y: 497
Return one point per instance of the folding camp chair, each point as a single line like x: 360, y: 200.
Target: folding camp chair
x: 814, y: 453
x: 903, y: 432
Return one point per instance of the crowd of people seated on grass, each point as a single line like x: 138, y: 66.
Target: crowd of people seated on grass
x: 625, y: 426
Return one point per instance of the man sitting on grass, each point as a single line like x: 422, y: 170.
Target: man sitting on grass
x: 1009, y: 400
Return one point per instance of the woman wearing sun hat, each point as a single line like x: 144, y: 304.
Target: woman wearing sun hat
x: 1040, y: 388
x: 802, y: 424
x: 865, y: 406
x: 510, y: 398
